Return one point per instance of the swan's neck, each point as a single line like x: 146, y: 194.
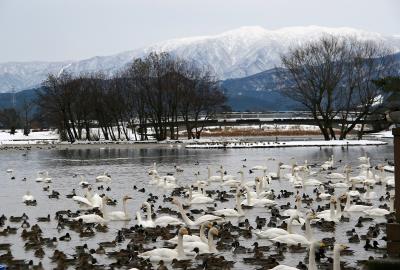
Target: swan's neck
x: 312, y: 265
x: 278, y: 171
x: 185, y: 218
x: 348, y: 203
x: 338, y: 210
x: 238, y: 205
x: 148, y: 212
x: 211, y: 245
x: 391, y: 205
x: 180, y: 246
x: 242, y: 178
x: 202, y: 233
x: 190, y: 194
x: 298, y: 204
x: 289, y: 226
x: 347, y: 176
x: 104, y: 209
x: 124, y: 208
x: 248, y: 196
x: 332, y: 210
x: 336, y: 259
x: 209, y: 172
x: 258, y: 183
x: 309, y: 233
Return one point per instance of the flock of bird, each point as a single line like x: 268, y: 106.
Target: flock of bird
x: 209, y: 221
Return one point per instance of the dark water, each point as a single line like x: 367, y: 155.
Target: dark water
x: 129, y: 167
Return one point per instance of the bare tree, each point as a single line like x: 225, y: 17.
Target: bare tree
x: 332, y: 78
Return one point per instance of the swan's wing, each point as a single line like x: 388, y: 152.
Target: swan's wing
x: 82, y: 200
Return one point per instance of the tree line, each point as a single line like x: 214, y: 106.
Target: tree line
x: 336, y: 78
x: 151, y: 93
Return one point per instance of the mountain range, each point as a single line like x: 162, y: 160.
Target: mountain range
x: 238, y: 53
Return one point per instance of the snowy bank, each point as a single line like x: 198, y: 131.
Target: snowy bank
x: 37, y: 137
x: 284, y: 144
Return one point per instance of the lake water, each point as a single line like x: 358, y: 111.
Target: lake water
x: 128, y: 167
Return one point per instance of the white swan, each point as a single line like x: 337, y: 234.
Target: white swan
x: 103, y: 178
x: 330, y: 215
x: 337, y: 248
x: 167, y: 254
x: 229, y: 212
x: 254, y: 202
x: 28, y: 197
x: 162, y: 221
x: 295, y: 239
x: 275, y: 232
x: 91, y: 218
x: 379, y: 212
x: 203, y: 247
x: 297, y: 211
x: 369, y: 195
x: 153, y: 170
x: 356, y: 207
x: 199, y: 199
x: 194, y: 238
x: 118, y: 215
x: 215, y: 178
x: 198, y: 221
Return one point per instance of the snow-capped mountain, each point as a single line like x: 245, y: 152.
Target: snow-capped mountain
x: 233, y: 54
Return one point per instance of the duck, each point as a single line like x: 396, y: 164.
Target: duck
x: 199, y: 220
x: 167, y: 254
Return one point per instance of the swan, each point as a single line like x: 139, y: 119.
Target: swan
x: 40, y: 177
x: 118, y: 215
x: 291, y: 212
x: 199, y: 199
x: 353, y: 192
x: 215, y: 178
x: 354, y: 208
x: 89, y: 201
x: 229, y: 212
x: 198, y: 221
x: 337, y: 248
x: 380, y: 212
x: 203, y: 247
x: 275, y: 232
x: 369, y: 195
x: 91, y: 218
x: 83, y: 181
x: 162, y: 221
x: 28, y: 197
x: 243, y: 182
x: 312, y: 182
x: 277, y: 175
x: 312, y: 265
x: 328, y: 164
x: 335, y: 176
x: 153, y: 170
x: 9, y: 170
x: 254, y: 202
x: 194, y: 238
x: 295, y: 239
x: 103, y: 178
x: 330, y: 215
x: 167, y: 254
x: 323, y: 195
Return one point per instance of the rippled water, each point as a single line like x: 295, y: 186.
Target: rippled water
x: 128, y: 166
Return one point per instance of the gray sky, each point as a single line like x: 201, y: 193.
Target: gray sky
x: 75, y: 29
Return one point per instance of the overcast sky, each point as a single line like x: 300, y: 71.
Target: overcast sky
x: 75, y: 29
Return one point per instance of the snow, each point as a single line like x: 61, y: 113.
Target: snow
x: 237, y: 53
x: 40, y: 137
x: 383, y: 134
x: 284, y: 144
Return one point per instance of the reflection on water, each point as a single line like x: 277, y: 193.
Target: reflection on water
x: 128, y: 167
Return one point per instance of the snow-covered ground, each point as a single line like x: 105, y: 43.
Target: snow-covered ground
x: 39, y: 137
x: 383, y: 134
x: 284, y: 144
